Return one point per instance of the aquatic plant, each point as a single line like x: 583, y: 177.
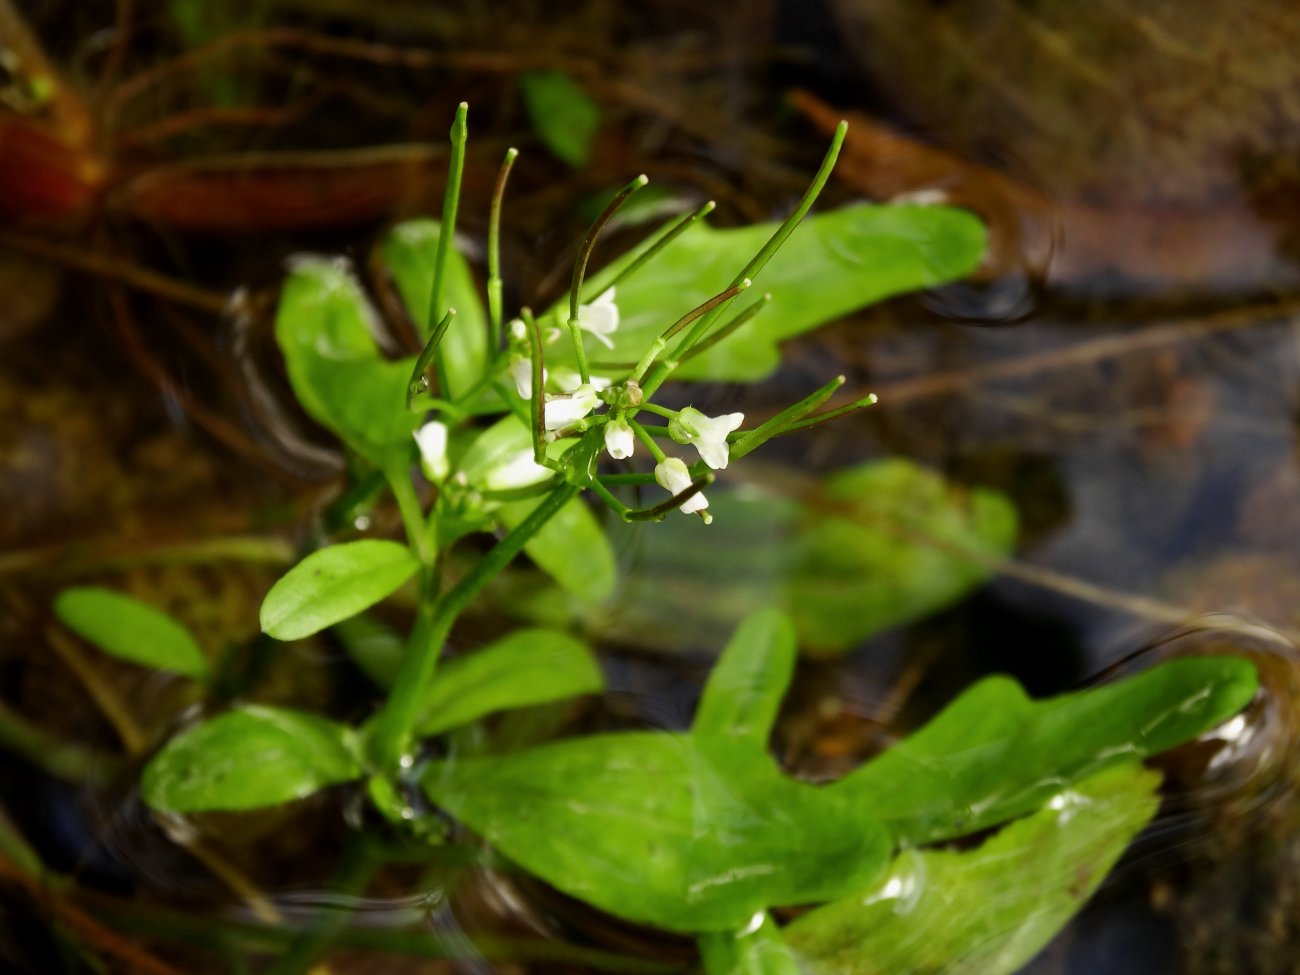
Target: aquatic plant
x: 496, y: 431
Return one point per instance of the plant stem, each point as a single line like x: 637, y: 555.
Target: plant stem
x: 412, y: 517
x: 433, y: 623
x: 447, y: 228
x: 494, y: 251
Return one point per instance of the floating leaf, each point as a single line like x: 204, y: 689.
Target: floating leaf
x: 409, y: 250
x: 334, y: 583
x: 326, y: 330
x: 994, y: 754
x: 872, y: 547
x: 256, y: 756
x: 833, y: 264
x: 989, y: 910
x: 563, y: 115
x: 528, y: 667
x: 130, y: 630
x: 690, y: 832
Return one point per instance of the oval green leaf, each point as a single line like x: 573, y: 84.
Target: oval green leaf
x: 563, y: 115
x: 130, y: 630
x: 526, y: 668
x: 247, y: 759
x: 333, y: 584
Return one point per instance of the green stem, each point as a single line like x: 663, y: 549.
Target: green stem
x: 774, y: 243
x: 782, y: 421
x: 658, y: 410
x: 641, y: 434
x: 417, y: 384
x: 662, y: 241
x: 494, y: 251
x: 60, y: 759
x: 396, y: 722
x: 408, y: 505
x: 447, y: 228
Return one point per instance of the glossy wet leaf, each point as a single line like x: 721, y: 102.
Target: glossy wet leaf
x: 334, y: 583
x: 750, y: 951
x: 655, y: 829
x: 130, y: 630
x: 250, y: 758
x: 563, y: 115
x: 409, y: 251
x: 527, y: 667
x: 690, y: 832
x: 834, y: 263
x: 994, y: 754
x: 875, y: 546
x: 326, y: 329
x: 988, y: 910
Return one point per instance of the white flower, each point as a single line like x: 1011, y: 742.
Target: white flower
x: 516, y: 472
x: 673, y: 477
x: 618, y: 439
x: 567, y: 380
x: 565, y: 409
x: 521, y: 371
x: 600, y: 318
x: 432, y: 441
x: 707, y: 433
x: 518, y: 330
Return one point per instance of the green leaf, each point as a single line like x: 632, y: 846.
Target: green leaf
x: 989, y: 910
x: 833, y: 264
x: 743, y: 694
x: 655, y: 829
x: 527, y: 667
x: 875, y: 546
x: 256, y: 756
x: 563, y: 115
x: 409, y: 251
x: 326, y: 330
x: 571, y: 548
x: 334, y: 583
x: 994, y: 754
x: 130, y: 630
x: 690, y: 832
x: 751, y: 951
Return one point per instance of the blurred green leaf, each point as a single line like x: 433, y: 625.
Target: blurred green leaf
x: 571, y: 548
x: 527, y: 667
x: 563, y: 115
x: 690, y: 832
x: 994, y: 754
x: 874, y: 546
x: 256, y: 756
x: 334, y: 583
x: 741, y: 700
x: 326, y: 330
x: 833, y: 264
x: 130, y: 630
x: 374, y: 647
x: 409, y: 251
x: 989, y: 910
x: 751, y: 951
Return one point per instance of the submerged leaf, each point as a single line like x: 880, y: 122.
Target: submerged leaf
x: 562, y: 114
x: 833, y: 264
x: 525, y: 668
x: 875, y: 546
x: 130, y: 630
x: 994, y: 754
x: 693, y: 832
x: 334, y: 583
x: 409, y: 251
x: 989, y: 910
x: 325, y: 328
x: 256, y: 756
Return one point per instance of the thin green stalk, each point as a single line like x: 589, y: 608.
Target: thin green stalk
x: 494, y: 251
x: 713, y: 338
x: 655, y: 512
x: 61, y: 759
x: 408, y: 505
x: 537, y: 401
x: 490, y: 374
x: 602, y: 492
x: 418, y: 383
x: 580, y: 269
x: 643, y: 435
x: 871, y: 399
x: 395, y: 723
x: 663, y: 240
x: 774, y: 243
x: 694, y: 314
x: 658, y: 410
x: 781, y: 422
x: 447, y: 228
